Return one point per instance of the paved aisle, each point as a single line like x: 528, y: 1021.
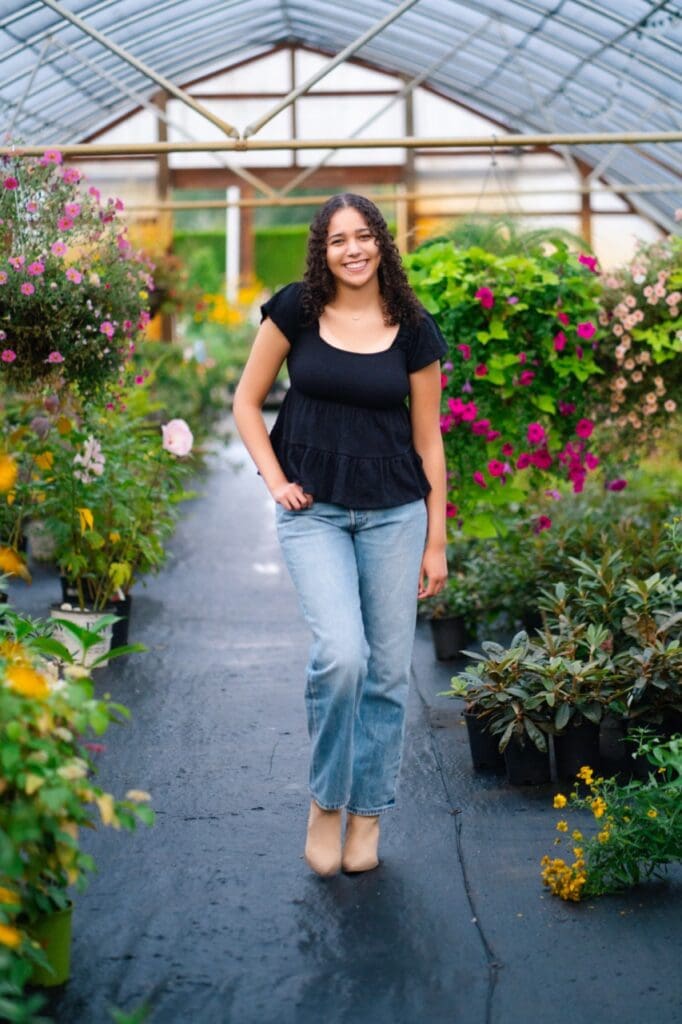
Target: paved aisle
x: 213, y: 917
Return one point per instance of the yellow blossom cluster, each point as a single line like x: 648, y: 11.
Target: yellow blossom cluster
x: 562, y: 879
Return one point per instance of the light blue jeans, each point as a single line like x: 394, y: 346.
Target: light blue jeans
x: 356, y: 574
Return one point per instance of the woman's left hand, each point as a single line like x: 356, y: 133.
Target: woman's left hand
x: 433, y: 572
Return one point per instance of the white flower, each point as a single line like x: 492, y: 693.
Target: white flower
x: 92, y: 460
x: 177, y: 437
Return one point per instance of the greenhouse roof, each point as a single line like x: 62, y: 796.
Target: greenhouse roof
x: 530, y: 65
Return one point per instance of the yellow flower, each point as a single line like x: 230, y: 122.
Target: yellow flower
x: 8, y: 472
x: 603, y: 836
x: 578, y: 851
x: 7, y: 896
x: 577, y: 836
x: 64, y: 425
x: 27, y: 682
x: 10, y: 936
x: 114, y: 536
x: 598, y: 807
x: 560, y: 801
x: 652, y: 813
x: 586, y: 774
x: 11, y: 497
x: 86, y: 520
x: 44, y: 460
x: 143, y: 294
x: 11, y: 563
x: 562, y: 826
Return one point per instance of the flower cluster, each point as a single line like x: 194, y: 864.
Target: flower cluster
x: 73, y: 294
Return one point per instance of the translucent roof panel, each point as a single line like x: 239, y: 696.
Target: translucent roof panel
x: 529, y: 65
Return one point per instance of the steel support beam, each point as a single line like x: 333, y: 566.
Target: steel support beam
x: 144, y: 69
x: 349, y: 50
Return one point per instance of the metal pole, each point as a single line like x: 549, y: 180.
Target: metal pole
x: 232, y: 203
x: 41, y: 57
x: 137, y: 97
x: 95, y: 149
x: 144, y: 69
x: 329, y: 66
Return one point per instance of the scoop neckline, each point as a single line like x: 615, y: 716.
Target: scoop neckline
x: 350, y: 352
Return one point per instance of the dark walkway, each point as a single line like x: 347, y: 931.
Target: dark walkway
x: 212, y: 915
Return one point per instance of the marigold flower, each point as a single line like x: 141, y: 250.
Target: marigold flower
x: 10, y: 936
x: 598, y: 807
x: 8, y: 473
x: 586, y: 774
x: 27, y: 682
x: 576, y: 835
x: 7, y: 896
x: 44, y: 460
x: 560, y: 801
x: 652, y: 813
x: 562, y: 826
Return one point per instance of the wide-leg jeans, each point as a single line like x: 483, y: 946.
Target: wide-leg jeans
x: 356, y: 573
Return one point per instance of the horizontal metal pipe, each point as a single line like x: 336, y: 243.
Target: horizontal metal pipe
x: 101, y: 149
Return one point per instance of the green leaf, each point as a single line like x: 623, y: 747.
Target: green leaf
x: 537, y: 737
x: 563, y: 716
x: 545, y: 403
x: 481, y: 525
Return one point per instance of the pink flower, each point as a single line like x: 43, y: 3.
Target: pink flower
x: 552, y: 493
x: 512, y: 300
x: 526, y: 377
x: 495, y: 467
x: 451, y: 510
x: 55, y: 357
x: 522, y: 357
x: 106, y: 327
x: 118, y: 204
x: 584, y: 428
x: 492, y: 435
x: 588, y: 261
x: 523, y: 460
x: 51, y: 156
x: 616, y: 485
x: 563, y: 319
x: 446, y: 424
x: 507, y: 448
x: 443, y: 377
x: 542, y: 523
x: 479, y: 479
x: 32, y: 206
x: 64, y: 223
x: 74, y: 275
x: 95, y: 193
x: 139, y: 379
x: 177, y: 437
x: 579, y: 351
x: 71, y: 175
x: 535, y: 433
x: 72, y: 209
x: 485, y: 297
x: 17, y: 262
x: 469, y: 411
x: 566, y: 408
x: 3, y: 277
x: 57, y: 248
x: 36, y: 269
x: 541, y: 458
x: 559, y: 341
x: 465, y: 350
x: 480, y: 427
x: 8, y: 356
x: 585, y: 330
x: 481, y: 370
x: 10, y: 183
x: 591, y: 460
x: 27, y: 288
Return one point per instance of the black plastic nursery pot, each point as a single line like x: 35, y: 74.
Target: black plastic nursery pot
x: 119, y: 632
x: 525, y: 764
x: 450, y: 636
x: 485, y: 754
x: 576, y: 746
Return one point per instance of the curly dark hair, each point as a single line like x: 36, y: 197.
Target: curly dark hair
x: 401, y: 305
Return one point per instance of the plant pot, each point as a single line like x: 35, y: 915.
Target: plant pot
x: 119, y: 631
x: 84, y: 619
x: 525, y: 764
x: 450, y: 635
x: 41, y: 543
x: 576, y: 746
x: 485, y: 754
x: 53, y: 932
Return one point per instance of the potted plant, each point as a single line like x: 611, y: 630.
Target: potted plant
x: 48, y: 795
x: 450, y: 616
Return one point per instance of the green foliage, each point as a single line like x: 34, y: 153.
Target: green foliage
x: 280, y: 254
x: 203, y: 253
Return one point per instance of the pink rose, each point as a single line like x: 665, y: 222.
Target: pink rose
x: 177, y: 437
x: 526, y: 377
x: 559, y: 342
x: 481, y: 370
x: 585, y: 330
x: 480, y: 427
x: 485, y: 297
x: 584, y: 428
x: 563, y: 319
x: 495, y: 467
x: 465, y: 350
x: 535, y: 433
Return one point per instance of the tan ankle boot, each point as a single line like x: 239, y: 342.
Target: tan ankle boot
x: 361, y: 848
x: 323, y: 842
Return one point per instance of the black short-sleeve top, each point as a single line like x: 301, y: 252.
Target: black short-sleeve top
x: 343, y: 431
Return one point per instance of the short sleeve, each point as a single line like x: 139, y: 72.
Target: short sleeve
x: 284, y: 309
x: 427, y: 344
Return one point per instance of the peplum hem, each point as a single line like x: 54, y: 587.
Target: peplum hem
x: 355, y: 481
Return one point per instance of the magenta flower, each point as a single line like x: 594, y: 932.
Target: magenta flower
x: 444, y: 379
x: 526, y: 377
x: 591, y: 460
x: 55, y: 357
x: 469, y: 411
x: 57, y: 248
x: 480, y: 427
x: 8, y: 356
x: 465, y: 350
x: 95, y: 193
x: 507, y: 448
x: 17, y: 262
x: 566, y: 408
x: 616, y: 485
x: 559, y: 342
x: 36, y: 269
x: 106, y: 327
x: 522, y: 357
x: 446, y: 424
x: 552, y: 492
x: 72, y: 209
x: 480, y: 479
x: 523, y: 460
x: 492, y: 435
x: 563, y: 319
x: 64, y: 223
x: 585, y: 330
x: 485, y: 297
x: 541, y: 458
x: 27, y: 288
x: 10, y: 183
x: 535, y: 433
x: 481, y: 370
x: 51, y: 156
x: 74, y: 275
x: 495, y: 467
x: 32, y: 206
x: 588, y: 261
x: 71, y: 175
x: 584, y: 428
x: 542, y: 523
x: 139, y: 379
x: 579, y: 351
x: 451, y: 510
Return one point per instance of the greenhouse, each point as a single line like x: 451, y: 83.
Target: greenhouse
x: 340, y: 511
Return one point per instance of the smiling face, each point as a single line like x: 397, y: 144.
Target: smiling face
x: 353, y: 255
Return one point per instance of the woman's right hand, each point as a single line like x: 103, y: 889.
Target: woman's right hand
x: 292, y: 497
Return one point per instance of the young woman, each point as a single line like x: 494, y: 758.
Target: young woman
x: 358, y: 477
